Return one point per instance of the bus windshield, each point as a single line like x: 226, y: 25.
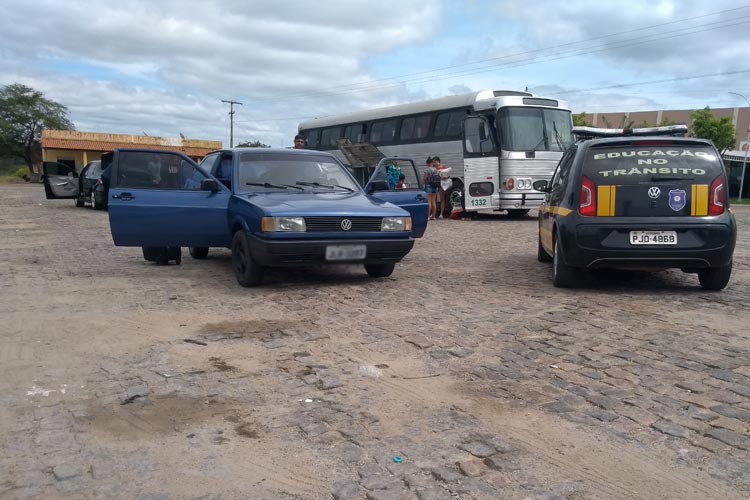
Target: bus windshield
x: 534, y: 129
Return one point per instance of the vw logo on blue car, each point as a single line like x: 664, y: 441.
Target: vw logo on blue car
x: 654, y: 192
x: 346, y: 224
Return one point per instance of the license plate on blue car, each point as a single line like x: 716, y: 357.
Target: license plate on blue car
x: 346, y: 252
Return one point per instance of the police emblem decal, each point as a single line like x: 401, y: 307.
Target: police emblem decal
x: 346, y: 224
x: 677, y: 199
x: 654, y: 192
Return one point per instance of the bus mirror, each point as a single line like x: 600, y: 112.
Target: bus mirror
x: 541, y: 186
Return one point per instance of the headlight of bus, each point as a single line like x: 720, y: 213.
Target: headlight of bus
x: 283, y: 224
x: 396, y: 224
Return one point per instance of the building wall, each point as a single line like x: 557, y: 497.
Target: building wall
x: 81, y: 158
x: 740, y: 117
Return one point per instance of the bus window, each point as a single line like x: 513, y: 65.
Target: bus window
x: 383, y: 131
x: 312, y: 138
x: 416, y: 127
x: 328, y: 136
x: 534, y: 129
x: 355, y: 133
x: 449, y: 124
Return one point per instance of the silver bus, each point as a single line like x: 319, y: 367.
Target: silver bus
x: 496, y: 142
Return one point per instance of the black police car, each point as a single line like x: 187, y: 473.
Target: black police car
x: 638, y: 199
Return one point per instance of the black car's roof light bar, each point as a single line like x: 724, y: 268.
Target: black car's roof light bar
x: 593, y: 132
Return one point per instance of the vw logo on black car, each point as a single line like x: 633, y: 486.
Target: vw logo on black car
x: 654, y: 192
x: 346, y: 224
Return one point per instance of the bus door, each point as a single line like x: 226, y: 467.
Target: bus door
x: 481, y: 165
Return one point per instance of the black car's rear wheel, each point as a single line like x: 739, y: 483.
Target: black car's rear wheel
x: 246, y: 270
x: 541, y: 253
x: 563, y: 276
x: 715, y: 278
x: 380, y: 270
x: 199, y: 252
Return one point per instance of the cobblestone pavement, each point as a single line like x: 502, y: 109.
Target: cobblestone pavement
x: 465, y: 375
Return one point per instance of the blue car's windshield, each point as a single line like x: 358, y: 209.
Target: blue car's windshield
x: 281, y: 171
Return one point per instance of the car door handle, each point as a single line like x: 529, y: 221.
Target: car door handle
x: 123, y: 196
x: 65, y: 183
x: 420, y: 198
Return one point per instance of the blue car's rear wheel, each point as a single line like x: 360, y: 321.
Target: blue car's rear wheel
x: 246, y: 270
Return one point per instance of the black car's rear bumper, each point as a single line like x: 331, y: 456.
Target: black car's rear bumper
x: 607, y: 244
x: 301, y: 252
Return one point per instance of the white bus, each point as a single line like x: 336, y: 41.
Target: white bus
x: 497, y: 142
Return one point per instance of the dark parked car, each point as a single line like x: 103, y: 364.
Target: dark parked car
x: 61, y: 181
x: 638, y: 199
x: 270, y: 207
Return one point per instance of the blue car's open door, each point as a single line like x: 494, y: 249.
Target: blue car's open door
x: 397, y: 181
x: 163, y: 199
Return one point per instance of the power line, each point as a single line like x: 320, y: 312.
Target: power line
x: 358, y: 87
x: 552, y: 57
x: 651, y: 82
x: 231, y: 120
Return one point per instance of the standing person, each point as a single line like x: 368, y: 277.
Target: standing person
x: 444, y: 185
x: 401, y: 184
x: 299, y: 141
x: 431, y: 180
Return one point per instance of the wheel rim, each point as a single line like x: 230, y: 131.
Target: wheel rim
x: 93, y: 199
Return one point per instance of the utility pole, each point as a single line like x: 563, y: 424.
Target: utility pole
x: 231, y: 120
x: 744, y: 161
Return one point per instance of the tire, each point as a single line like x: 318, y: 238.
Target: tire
x: 380, y: 270
x: 563, y: 276
x: 517, y: 212
x: 246, y: 270
x: 80, y: 202
x: 150, y: 253
x: 94, y: 204
x: 199, y: 252
x: 162, y: 255
x: 715, y: 278
x: 541, y: 253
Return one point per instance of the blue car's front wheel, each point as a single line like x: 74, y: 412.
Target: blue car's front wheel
x: 246, y: 270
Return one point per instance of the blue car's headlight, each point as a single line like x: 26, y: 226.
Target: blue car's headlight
x: 396, y: 224
x: 283, y: 224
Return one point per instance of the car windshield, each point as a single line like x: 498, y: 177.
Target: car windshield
x: 534, y: 129
x: 292, y: 172
x: 648, y: 164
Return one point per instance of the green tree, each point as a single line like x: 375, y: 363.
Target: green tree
x: 24, y: 112
x: 252, y: 144
x: 719, y: 130
x: 581, y: 120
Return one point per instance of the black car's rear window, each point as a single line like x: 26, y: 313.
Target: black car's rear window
x: 636, y: 164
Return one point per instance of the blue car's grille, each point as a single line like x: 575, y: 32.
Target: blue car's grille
x: 334, y: 224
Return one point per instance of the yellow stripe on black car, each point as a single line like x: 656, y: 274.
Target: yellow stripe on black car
x: 605, y: 201
x: 699, y: 200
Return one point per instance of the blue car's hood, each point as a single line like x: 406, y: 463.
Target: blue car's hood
x: 322, y: 204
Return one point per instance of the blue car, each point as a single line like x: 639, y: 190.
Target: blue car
x: 270, y: 207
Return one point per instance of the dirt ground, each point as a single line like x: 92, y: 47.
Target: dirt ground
x: 465, y: 375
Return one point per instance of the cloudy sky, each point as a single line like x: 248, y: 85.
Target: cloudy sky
x: 162, y: 67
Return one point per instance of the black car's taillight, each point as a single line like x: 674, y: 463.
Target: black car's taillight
x: 717, y: 197
x: 587, y: 198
